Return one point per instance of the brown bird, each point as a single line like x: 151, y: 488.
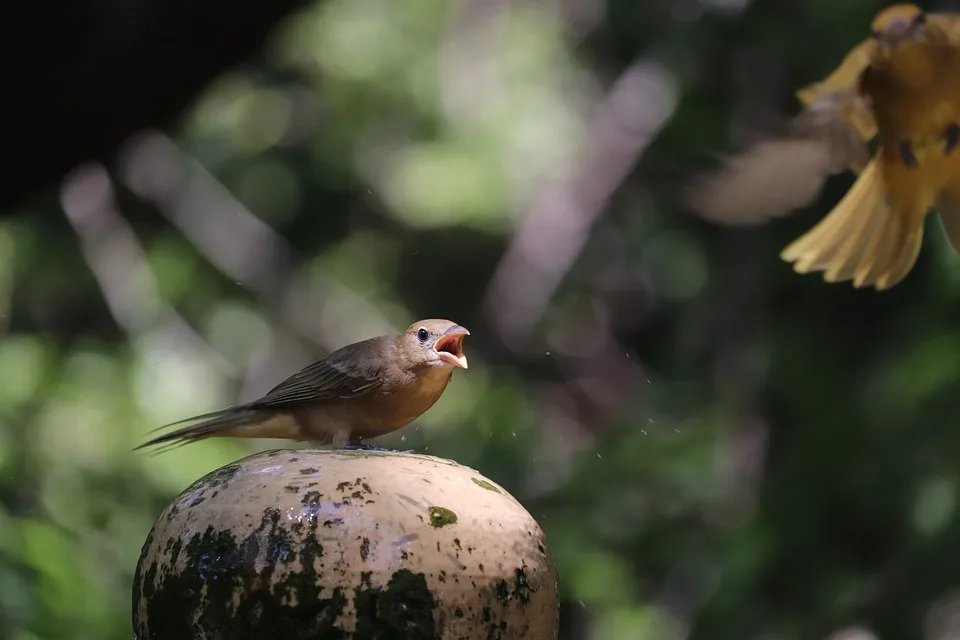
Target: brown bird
x: 901, y: 85
x: 362, y: 390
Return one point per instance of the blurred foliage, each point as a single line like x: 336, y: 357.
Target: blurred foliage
x: 716, y: 447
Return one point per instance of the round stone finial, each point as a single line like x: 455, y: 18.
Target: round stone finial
x: 358, y: 545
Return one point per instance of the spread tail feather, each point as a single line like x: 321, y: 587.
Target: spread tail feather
x: 236, y: 422
x: 861, y: 239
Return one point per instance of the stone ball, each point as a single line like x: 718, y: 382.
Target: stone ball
x: 345, y: 545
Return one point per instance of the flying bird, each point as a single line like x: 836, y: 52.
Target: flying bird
x: 900, y: 86
x: 359, y: 391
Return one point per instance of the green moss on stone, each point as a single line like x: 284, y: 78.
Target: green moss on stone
x: 440, y: 516
x: 483, y: 484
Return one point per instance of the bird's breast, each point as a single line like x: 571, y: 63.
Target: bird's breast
x: 916, y: 94
x: 398, y: 406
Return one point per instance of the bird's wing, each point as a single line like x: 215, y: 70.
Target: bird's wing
x: 769, y: 179
x: 346, y: 373
x: 948, y: 23
x: 838, y: 94
x: 778, y: 176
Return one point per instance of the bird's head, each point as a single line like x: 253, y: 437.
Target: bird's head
x: 436, y: 342
x: 899, y: 24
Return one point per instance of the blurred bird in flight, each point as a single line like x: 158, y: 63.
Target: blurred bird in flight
x: 901, y: 85
x: 362, y: 390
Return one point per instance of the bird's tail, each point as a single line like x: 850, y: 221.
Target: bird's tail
x: 234, y: 422
x: 862, y: 239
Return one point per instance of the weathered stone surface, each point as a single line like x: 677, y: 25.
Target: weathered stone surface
x: 337, y: 545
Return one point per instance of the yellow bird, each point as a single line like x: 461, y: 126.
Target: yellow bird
x: 901, y: 85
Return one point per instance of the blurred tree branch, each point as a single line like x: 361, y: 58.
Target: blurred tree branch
x: 82, y: 75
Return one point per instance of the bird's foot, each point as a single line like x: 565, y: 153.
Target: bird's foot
x: 364, y: 447
x: 374, y: 447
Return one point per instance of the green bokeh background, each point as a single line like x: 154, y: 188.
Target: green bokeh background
x: 715, y: 446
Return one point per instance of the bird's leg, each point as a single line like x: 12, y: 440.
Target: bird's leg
x: 340, y: 439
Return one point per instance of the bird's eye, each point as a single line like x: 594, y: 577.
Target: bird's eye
x: 422, y: 334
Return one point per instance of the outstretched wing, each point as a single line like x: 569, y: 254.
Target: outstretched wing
x: 778, y: 176
x: 775, y: 177
x: 947, y: 23
x: 769, y: 179
x: 839, y: 93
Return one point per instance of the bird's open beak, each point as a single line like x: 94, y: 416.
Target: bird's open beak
x: 450, y: 346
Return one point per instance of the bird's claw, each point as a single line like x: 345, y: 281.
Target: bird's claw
x: 364, y: 447
x: 375, y: 447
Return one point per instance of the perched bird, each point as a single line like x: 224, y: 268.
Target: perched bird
x: 902, y: 86
x: 362, y: 390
